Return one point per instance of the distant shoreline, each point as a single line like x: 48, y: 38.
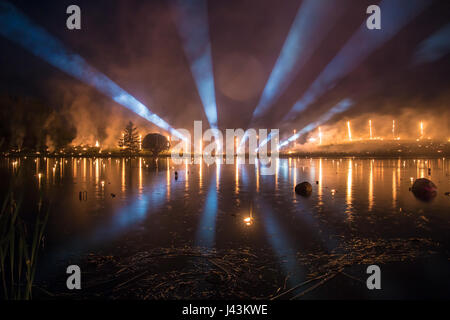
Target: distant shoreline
x: 360, y: 149
x: 282, y: 155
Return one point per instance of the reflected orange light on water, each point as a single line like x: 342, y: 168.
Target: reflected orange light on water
x: 236, y: 175
x: 84, y: 169
x: 217, y: 174
x: 257, y: 174
x: 97, y: 171
x: 168, y: 179
x: 248, y: 221
x: 394, y: 188
x: 140, y: 176
x: 371, y: 185
x: 186, y: 169
x: 123, y: 175
x: 200, y: 175
x: 75, y: 168
x: 295, y: 176
x: 349, y: 183
x: 277, y: 168
x: 319, y: 190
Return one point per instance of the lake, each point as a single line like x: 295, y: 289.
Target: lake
x: 361, y: 212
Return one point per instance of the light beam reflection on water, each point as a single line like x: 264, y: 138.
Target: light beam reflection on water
x: 158, y: 210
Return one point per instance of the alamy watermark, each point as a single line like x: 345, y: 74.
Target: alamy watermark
x: 211, y: 147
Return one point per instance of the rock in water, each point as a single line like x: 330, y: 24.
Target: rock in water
x: 424, y: 189
x: 304, y: 189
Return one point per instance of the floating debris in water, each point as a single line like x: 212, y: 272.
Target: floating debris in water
x: 199, y: 273
x: 304, y: 189
x: 424, y: 189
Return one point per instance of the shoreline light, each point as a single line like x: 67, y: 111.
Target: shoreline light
x: 349, y: 131
x: 320, y: 136
x: 342, y: 106
x: 393, y: 129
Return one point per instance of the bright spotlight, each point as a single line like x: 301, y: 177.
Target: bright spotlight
x: 434, y: 47
x: 349, y: 131
x: 191, y: 19
x: 339, y: 108
x: 396, y: 14
x: 16, y: 27
x: 265, y: 141
x: 306, y: 34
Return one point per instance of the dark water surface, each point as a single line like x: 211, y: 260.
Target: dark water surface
x: 360, y: 207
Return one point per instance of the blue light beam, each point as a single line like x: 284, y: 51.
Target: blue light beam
x: 434, y: 47
x: 339, y: 108
x: 314, y: 20
x: 395, y: 15
x: 206, y: 233
x: 191, y: 19
x: 265, y: 141
x: 18, y: 28
x: 281, y: 244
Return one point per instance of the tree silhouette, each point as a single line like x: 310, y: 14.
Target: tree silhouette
x: 155, y: 143
x: 130, y: 140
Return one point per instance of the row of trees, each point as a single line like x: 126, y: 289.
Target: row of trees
x: 31, y: 124
x: 131, y: 142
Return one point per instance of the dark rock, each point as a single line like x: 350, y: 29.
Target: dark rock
x: 424, y: 189
x: 304, y: 189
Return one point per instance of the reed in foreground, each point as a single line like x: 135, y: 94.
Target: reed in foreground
x: 19, y: 249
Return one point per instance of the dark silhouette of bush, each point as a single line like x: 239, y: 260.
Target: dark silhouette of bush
x: 155, y: 143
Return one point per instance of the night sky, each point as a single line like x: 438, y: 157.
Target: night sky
x: 137, y: 45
